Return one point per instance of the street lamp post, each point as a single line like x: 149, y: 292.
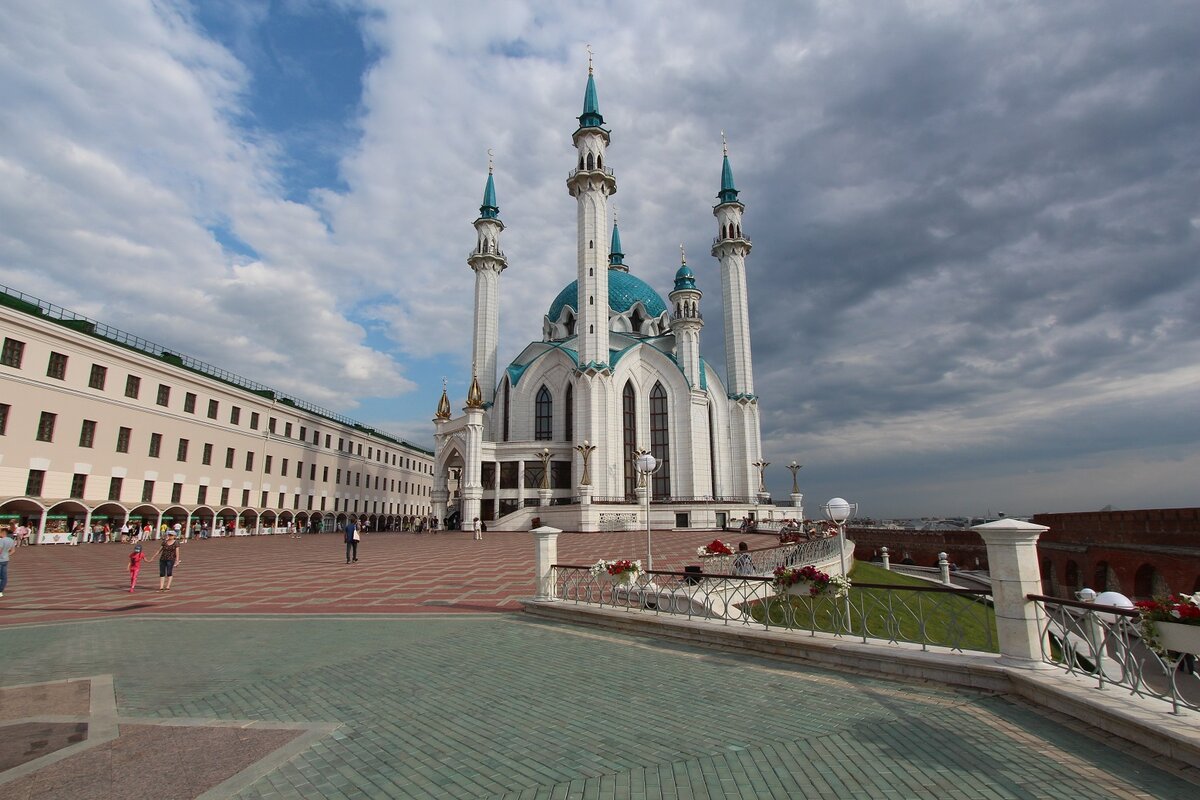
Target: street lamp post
x: 838, y: 510
x: 797, y: 497
x: 646, y: 465
x: 544, y: 490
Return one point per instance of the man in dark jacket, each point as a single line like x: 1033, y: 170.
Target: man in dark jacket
x: 352, y: 537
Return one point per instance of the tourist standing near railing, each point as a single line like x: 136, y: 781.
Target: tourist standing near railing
x: 7, y: 545
x: 743, y: 564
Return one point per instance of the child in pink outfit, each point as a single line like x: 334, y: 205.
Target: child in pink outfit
x: 135, y: 565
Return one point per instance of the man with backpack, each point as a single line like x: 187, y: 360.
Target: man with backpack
x: 352, y: 537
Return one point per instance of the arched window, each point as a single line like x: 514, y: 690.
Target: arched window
x: 506, y: 414
x: 543, y: 420
x: 1143, y: 582
x: 629, y: 436
x: 581, y: 160
x: 636, y: 319
x: 660, y: 440
x: 1072, y: 577
x: 599, y: 161
x: 590, y: 162
x: 570, y: 322
x: 569, y: 413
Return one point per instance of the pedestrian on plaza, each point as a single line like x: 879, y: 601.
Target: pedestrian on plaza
x: 7, y: 545
x: 742, y: 564
x: 125, y: 535
x: 135, y: 565
x: 22, y: 535
x: 168, y: 559
x: 352, y: 537
x: 477, y: 526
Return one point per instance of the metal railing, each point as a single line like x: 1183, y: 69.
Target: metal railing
x: 718, y: 239
x: 926, y: 616
x: 1108, y: 645
x: 577, y: 170
x: 100, y: 330
x: 767, y: 559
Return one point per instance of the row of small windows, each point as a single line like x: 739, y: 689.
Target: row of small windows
x: 13, y: 354
x: 592, y: 162
x: 37, y: 478
x: 731, y: 231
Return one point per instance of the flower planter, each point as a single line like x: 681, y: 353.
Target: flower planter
x: 1178, y: 638
x: 800, y: 589
x: 623, y: 578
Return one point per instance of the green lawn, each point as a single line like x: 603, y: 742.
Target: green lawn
x: 933, y: 618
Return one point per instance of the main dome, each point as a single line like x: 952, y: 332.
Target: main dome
x: 623, y: 291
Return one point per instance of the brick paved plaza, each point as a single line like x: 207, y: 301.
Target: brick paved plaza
x: 274, y: 670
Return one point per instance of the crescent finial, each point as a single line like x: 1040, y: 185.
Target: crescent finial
x: 490, y: 154
x: 724, y: 144
x: 588, y: 47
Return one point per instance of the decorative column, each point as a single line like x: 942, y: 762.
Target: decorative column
x: 545, y: 555
x: 544, y: 491
x: 471, y: 481
x: 585, y: 451
x: 796, y: 495
x: 1013, y: 561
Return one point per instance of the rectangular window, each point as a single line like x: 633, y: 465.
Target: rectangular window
x: 358, y: 479
x: 283, y: 467
x: 249, y: 460
x: 341, y: 443
x: 155, y: 444
x: 310, y: 502
x: 33, y: 485
x: 181, y: 454
x: 323, y: 502
x: 201, y: 495
x: 164, y: 395
x: 98, y: 377
x: 189, y: 403
x: 78, y: 485
x: 4, y: 409
x: 87, y: 433
x: 312, y: 472
x: 213, y: 408
x: 45, y: 431
x: 224, y: 495
x: 327, y: 439
x: 13, y: 353
x: 176, y: 492
x: 147, y: 491
x: 369, y: 453
x: 123, y: 436
x: 360, y: 450
x: 299, y: 469
x: 281, y: 500
x: 508, y: 474
x: 303, y: 433
x: 245, y: 497
x: 268, y: 460
x: 560, y: 474
x: 325, y: 474
x: 253, y: 420
x: 206, y: 457
x: 339, y: 477
x: 263, y: 499
x: 271, y: 425
x: 114, y: 489
x: 133, y: 386
x: 287, y: 429
x: 235, y: 415
x: 57, y: 367
x: 229, y: 458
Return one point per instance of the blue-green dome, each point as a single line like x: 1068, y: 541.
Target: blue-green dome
x: 623, y: 291
x: 684, y: 279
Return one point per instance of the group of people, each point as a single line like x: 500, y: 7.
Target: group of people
x: 168, y: 557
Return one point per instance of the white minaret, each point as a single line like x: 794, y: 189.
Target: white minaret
x: 693, y: 466
x: 731, y: 249
x: 591, y: 183
x: 488, y: 262
x: 686, y: 321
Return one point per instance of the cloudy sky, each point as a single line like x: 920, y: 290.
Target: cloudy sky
x: 975, y: 282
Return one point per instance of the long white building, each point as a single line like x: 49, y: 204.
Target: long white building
x: 618, y: 371
x: 98, y: 425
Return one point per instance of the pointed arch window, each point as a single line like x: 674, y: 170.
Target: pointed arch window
x: 629, y: 436
x: 506, y: 414
x: 599, y: 161
x: 569, y: 413
x: 591, y: 162
x: 543, y: 415
x: 660, y: 441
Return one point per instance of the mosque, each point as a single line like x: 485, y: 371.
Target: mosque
x: 557, y: 434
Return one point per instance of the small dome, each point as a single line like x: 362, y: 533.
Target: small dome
x: 623, y: 291
x: 684, y: 279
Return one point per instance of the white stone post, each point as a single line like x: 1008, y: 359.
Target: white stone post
x: 887, y: 558
x: 544, y: 496
x: 944, y: 568
x: 798, y: 504
x: 545, y: 541
x: 1013, y: 564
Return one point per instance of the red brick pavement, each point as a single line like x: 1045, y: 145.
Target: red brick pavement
x: 396, y: 573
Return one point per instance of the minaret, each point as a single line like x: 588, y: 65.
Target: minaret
x: 731, y: 249
x: 686, y: 321
x: 471, y: 484
x: 591, y: 183
x: 616, y: 259
x: 488, y: 262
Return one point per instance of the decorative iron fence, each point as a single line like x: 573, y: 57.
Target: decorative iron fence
x: 930, y: 617
x: 1109, y: 645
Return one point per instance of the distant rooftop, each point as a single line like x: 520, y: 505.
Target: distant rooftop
x: 19, y: 301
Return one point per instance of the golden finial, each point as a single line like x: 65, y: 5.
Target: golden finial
x: 589, y: 52
x: 724, y: 144
x: 443, y: 409
x: 474, y: 394
x: 490, y: 154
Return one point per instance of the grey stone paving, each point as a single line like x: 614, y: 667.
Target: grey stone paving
x: 458, y: 706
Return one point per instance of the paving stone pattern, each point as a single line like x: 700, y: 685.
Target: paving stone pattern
x: 498, y: 705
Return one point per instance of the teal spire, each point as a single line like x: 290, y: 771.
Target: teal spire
x: 489, y: 209
x: 616, y: 259
x: 728, y: 193
x: 590, y: 118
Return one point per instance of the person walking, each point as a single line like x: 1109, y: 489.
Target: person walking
x: 477, y: 526
x: 352, y: 537
x: 168, y: 559
x: 135, y: 566
x: 7, y: 545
